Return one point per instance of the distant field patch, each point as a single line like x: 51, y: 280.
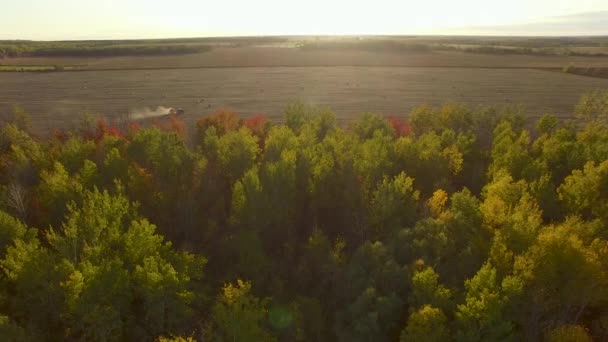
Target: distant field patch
x: 27, y: 68
x: 591, y: 71
x: 35, y: 68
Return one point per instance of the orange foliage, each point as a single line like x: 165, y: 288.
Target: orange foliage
x: 172, y: 124
x: 402, y: 127
x: 257, y: 124
x: 104, y: 129
x: 223, y: 120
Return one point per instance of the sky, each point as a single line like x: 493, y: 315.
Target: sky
x: 121, y: 19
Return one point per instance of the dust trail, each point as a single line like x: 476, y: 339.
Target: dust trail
x: 143, y: 113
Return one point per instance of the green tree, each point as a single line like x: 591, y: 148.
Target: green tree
x: 105, y: 275
x: 431, y: 159
x: 373, y: 301
x: 318, y: 121
x: 426, y: 289
x: 12, y: 332
x: 73, y: 152
x: 546, y: 124
x: 484, y: 315
x: 167, y: 179
x: 369, y: 123
x: 560, y: 152
x: 584, y: 191
x: 240, y: 316
x: 568, y: 333
x: 510, y: 152
x: 426, y: 324
x: 55, y: 191
x: 469, y: 237
x: 453, y: 240
x: 593, y: 141
x: 393, y: 206
x: 375, y: 159
x: 279, y: 139
x: 235, y: 151
x: 164, y: 154
x: 593, y: 106
x: 330, y: 187
x: 35, y: 299
x: 510, y: 208
x: 176, y: 339
x: 563, y: 276
x: 10, y: 230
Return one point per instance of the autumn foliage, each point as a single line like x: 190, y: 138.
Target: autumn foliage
x: 457, y: 224
x: 107, y: 129
x: 172, y: 124
x: 223, y: 121
x: 257, y: 124
x: 401, y: 127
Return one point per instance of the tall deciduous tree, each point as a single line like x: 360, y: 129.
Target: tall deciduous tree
x: 105, y: 275
x: 393, y: 206
x: 427, y: 324
x: 584, y: 191
x: 240, y: 316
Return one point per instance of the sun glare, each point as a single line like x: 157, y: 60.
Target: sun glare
x: 195, y: 18
x: 274, y: 17
x: 346, y: 17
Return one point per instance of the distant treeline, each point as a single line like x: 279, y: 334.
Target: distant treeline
x: 530, y: 42
x: 95, y: 48
x: 587, y: 71
x: 501, y: 50
x: 499, y: 46
x: 199, y: 40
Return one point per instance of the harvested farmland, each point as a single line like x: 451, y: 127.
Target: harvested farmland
x: 59, y: 99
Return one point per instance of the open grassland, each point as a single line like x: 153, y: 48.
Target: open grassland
x: 59, y: 99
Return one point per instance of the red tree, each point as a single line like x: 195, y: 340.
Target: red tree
x: 402, y: 127
x: 223, y: 120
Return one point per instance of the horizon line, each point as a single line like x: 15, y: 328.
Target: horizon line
x: 605, y: 35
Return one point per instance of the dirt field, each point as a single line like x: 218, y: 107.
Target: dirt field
x: 259, y: 56
x: 255, y: 79
x: 58, y: 99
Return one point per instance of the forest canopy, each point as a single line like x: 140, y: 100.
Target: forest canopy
x: 457, y: 224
